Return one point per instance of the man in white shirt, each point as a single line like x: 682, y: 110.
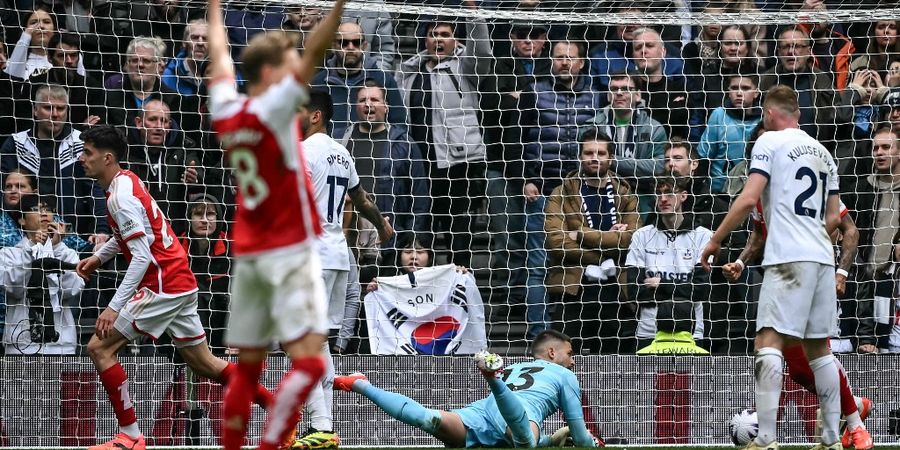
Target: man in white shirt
x: 796, y: 178
x: 334, y: 177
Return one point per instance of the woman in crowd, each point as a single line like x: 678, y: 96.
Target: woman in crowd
x: 209, y: 254
x: 30, y: 54
x: 883, y: 48
x: 18, y: 183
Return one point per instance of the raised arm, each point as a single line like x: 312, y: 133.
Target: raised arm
x: 220, y: 64
x: 319, y: 42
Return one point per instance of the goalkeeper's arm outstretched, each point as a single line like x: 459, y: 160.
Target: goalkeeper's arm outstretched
x: 520, y: 400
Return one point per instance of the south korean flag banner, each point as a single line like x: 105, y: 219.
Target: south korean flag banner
x: 433, y: 311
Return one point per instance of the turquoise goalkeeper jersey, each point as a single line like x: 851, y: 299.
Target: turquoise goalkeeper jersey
x: 543, y: 387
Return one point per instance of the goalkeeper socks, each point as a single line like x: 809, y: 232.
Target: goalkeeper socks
x: 236, y: 405
x: 401, y: 407
x: 769, y: 376
x: 115, y: 382
x: 828, y: 381
x: 263, y: 397
x: 291, y: 395
x: 513, y: 413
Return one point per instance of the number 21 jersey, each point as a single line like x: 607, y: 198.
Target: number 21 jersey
x: 802, y: 174
x: 260, y: 135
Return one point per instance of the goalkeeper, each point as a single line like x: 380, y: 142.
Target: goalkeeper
x: 526, y: 394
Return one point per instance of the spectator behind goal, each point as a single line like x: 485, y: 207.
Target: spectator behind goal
x: 664, y: 275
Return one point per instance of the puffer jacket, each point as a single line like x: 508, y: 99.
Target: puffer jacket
x: 552, y: 116
x: 451, y: 116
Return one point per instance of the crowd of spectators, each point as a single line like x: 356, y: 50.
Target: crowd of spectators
x: 597, y: 158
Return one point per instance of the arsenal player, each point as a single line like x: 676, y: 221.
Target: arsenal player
x: 158, y: 294
x: 278, y: 293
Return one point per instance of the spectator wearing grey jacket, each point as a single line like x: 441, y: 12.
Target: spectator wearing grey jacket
x: 439, y: 86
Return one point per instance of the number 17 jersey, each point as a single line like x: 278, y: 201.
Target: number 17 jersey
x: 260, y: 135
x: 802, y: 174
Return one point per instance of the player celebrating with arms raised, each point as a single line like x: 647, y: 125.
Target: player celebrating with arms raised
x: 796, y: 178
x: 158, y: 293
x: 512, y: 415
x: 277, y: 294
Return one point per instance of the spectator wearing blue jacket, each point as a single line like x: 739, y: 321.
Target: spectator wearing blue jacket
x: 553, y: 112
x: 729, y: 128
x: 390, y: 166
x: 185, y: 72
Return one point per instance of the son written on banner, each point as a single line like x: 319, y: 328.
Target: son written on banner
x: 433, y: 311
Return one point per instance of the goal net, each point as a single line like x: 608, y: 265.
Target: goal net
x: 571, y: 158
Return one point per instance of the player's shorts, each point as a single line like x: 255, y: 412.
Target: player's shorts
x: 336, y: 295
x: 485, y: 426
x: 150, y: 314
x: 798, y: 299
x: 276, y: 297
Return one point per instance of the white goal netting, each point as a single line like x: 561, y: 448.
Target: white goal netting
x: 573, y: 155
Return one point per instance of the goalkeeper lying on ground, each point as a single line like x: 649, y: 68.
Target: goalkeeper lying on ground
x: 520, y: 400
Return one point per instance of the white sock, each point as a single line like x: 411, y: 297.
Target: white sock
x: 828, y: 387
x: 854, y: 421
x: 768, y: 372
x: 319, y: 404
x: 131, y: 430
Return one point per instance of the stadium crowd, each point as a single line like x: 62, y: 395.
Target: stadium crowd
x: 596, y: 159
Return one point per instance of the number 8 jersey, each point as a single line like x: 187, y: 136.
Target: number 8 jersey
x: 260, y: 135
x: 802, y: 174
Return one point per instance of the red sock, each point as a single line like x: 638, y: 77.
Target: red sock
x: 848, y: 401
x: 798, y: 367
x: 236, y: 404
x: 263, y: 397
x: 289, y: 398
x: 115, y: 382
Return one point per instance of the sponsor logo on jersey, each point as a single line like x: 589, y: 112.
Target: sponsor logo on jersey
x: 761, y: 157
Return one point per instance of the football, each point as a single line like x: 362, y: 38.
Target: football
x: 743, y: 427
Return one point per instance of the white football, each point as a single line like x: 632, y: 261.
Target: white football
x: 743, y: 427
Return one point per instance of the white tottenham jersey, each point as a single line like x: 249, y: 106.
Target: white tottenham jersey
x: 672, y: 260
x: 802, y: 175
x: 333, y: 174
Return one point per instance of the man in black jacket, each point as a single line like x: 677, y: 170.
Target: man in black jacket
x: 874, y: 203
x: 161, y: 155
x: 140, y: 83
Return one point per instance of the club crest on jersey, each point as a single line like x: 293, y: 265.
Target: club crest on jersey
x: 688, y: 254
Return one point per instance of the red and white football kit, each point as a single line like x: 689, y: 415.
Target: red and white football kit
x: 277, y: 294
x: 159, y: 291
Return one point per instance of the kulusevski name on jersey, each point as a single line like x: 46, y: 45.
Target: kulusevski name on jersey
x: 802, y: 174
